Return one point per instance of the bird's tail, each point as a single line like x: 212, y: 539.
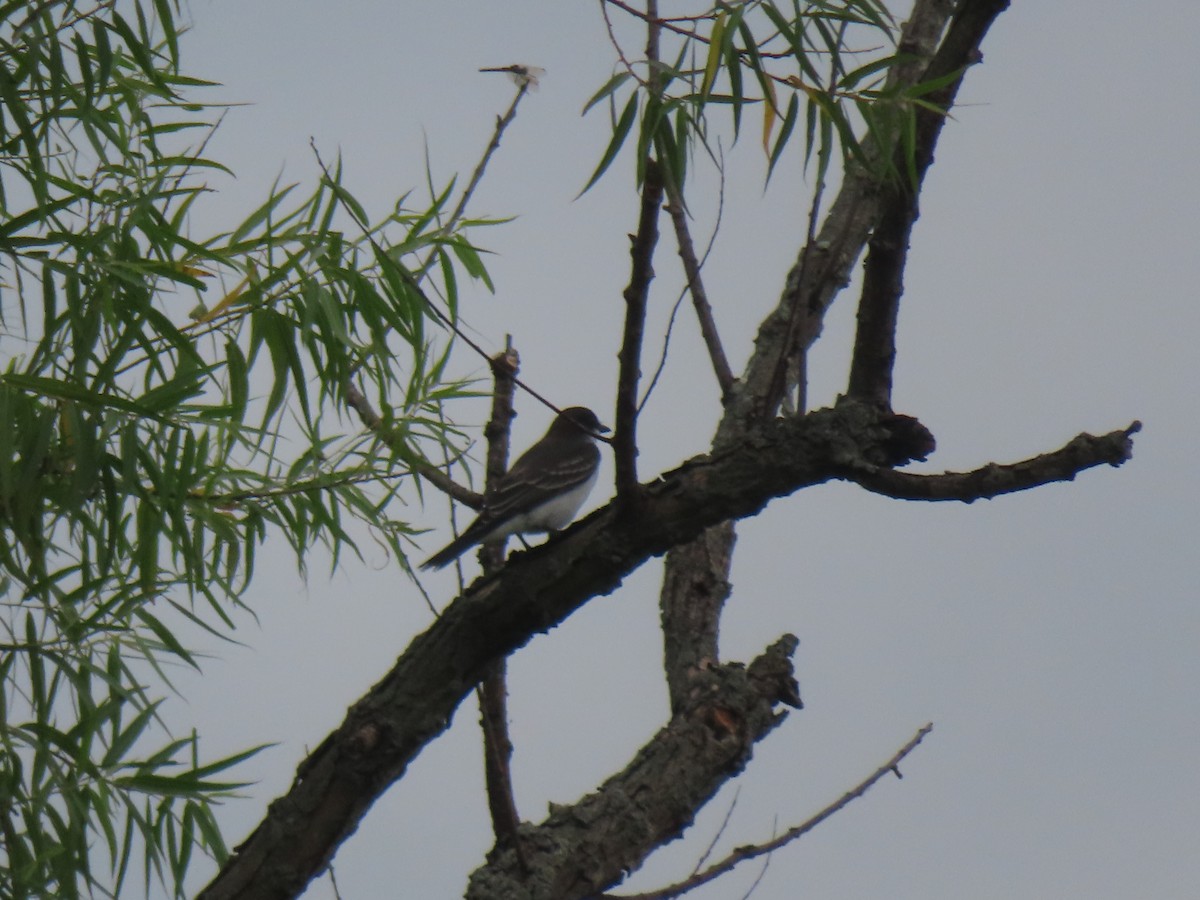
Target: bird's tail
x: 452, y: 551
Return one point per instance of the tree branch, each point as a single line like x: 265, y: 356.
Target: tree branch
x: 824, y: 267
x: 1082, y: 452
x: 431, y: 473
x: 493, y: 689
x: 696, y: 577
x: 695, y: 587
x: 582, y: 848
x: 691, y: 267
x: 536, y: 590
x: 642, y: 252
x: 742, y: 854
x: 883, y: 275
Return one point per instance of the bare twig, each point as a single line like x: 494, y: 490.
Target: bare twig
x: 719, y: 162
x: 431, y: 473
x: 720, y: 831
x: 502, y: 122
x: 636, y: 294
x: 762, y: 873
x: 1082, y: 452
x: 493, y: 689
x: 651, y: 18
x: 741, y: 854
x: 691, y: 267
x: 791, y: 367
x: 616, y: 45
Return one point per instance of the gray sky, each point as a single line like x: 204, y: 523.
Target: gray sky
x: 1052, y: 637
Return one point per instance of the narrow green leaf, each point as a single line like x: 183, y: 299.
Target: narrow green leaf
x: 608, y: 88
x: 164, y: 634
x: 715, y: 53
x: 620, y: 132
x: 785, y: 132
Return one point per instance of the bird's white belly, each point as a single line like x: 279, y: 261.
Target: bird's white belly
x: 550, y: 516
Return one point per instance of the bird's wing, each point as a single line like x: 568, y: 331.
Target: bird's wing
x: 533, y: 479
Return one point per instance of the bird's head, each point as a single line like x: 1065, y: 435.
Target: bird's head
x: 582, y: 418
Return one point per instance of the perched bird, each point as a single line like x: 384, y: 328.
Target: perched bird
x: 542, y: 491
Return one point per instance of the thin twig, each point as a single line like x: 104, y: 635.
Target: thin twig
x: 762, y: 873
x: 719, y: 162
x: 691, y: 267
x: 720, y: 832
x: 741, y: 854
x: 502, y: 122
x: 431, y: 473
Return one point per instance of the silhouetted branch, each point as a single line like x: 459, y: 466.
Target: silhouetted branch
x: 742, y: 854
x: 823, y: 267
x: 431, y: 473
x: 385, y: 730
x: 874, y: 354
x: 581, y: 848
x: 691, y: 267
x: 493, y: 689
x: 1082, y: 452
x: 643, y: 242
x: 535, y: 590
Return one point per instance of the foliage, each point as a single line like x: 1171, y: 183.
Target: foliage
x: 756, y: 53
x: 164, y: 399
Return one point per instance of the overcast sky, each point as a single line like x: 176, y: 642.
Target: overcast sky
x: 1052, y: 637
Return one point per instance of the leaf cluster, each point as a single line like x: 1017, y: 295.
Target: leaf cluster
x: 827, y: 67
x: 165, y: 400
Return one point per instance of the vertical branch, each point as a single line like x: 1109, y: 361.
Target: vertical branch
x: 695, y: 587
x: 879, y: 305
x: 642, y: 253
x: 493, y: 690
x: 883, y: 273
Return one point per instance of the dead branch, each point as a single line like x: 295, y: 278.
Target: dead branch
x: 492, y: 691
x: 691, y: 268
x: 1082, y: 452
x: 386, y: 729
x: 742, y: 854
x: 874, y: 353
x: 581, y: 848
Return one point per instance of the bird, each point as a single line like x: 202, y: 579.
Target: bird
x: 542, y: 491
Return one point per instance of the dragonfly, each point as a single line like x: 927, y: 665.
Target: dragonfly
x: 523, y: 76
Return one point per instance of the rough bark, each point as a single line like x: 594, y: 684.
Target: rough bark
x: 583, y: 848
x: 385, y: 730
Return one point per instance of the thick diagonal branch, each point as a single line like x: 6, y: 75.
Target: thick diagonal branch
x: 386, y: 729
